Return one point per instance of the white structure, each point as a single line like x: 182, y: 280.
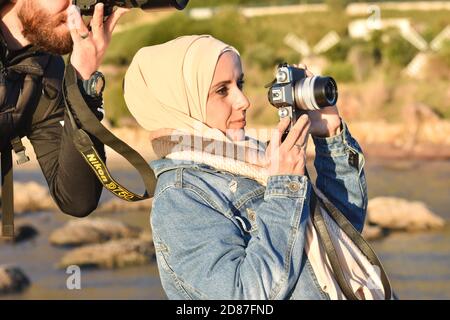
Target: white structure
x: 438, y: 42
x: 357, y: 9
x: 301, y: 46
x: 310, y: 57
x: 250, y: 12
x: 362, y: 28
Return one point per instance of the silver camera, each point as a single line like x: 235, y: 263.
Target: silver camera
x: 293, y: 93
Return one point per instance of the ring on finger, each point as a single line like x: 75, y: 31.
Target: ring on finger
x: 84, y: 36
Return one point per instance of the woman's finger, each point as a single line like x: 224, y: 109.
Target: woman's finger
x: 281, y: 128
x: 296, y: 131
x: 98, y: 30
x: 275, y: 137
x: 303, y: 138
x: 112, y: 20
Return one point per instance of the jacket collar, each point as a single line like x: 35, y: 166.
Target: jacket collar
x: 29, y: 60
x: 162, y: 165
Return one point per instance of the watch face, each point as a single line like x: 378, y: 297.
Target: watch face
x: 98, y: 84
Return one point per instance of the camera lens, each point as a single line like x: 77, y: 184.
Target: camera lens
x: 180, y: 4
x: 314, y: 93
x: 330, y: 92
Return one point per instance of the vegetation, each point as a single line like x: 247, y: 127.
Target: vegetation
x: 261, y: 43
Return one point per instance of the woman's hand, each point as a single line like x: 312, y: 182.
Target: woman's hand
x: 326, y: 121
x: 89, y: 47
x: 289, y: 157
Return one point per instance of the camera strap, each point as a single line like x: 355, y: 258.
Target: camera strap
x: 7, y: 194
x: 321, y: 227
x: 83, y: 143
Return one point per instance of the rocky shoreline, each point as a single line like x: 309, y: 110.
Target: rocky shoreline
x: 110, y: 244
x: 421, y: 140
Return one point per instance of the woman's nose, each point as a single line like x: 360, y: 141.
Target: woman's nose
x: 241, y: 102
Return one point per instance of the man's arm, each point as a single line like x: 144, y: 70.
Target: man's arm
x: 72, y: 184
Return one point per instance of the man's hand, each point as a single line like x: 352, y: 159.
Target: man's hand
x: 326, y: 121
x: 89, y: 47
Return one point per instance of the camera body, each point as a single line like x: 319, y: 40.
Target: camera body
x: 87, y: 6
x: 293, y: 93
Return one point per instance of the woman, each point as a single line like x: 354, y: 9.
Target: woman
x: 230, y: 217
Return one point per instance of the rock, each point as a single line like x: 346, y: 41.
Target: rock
x: 372, y: 232
x: 377, y: 94
x: 400, y: 214
x: 32, y: 197
x: 25, y: 232
x: 88, y: 231
x: 12, y: 280
x: 350, y: 105
x: 117, y: 205
x: 111, y: 255
x: 419, y: 112
x: 22, y: 232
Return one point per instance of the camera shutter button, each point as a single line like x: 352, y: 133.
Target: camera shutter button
x: 282, y: 76
x: 283, y: 112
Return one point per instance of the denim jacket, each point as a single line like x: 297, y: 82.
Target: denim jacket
x: 218, y: 235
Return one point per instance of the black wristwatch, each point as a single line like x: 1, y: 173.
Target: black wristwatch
x: 94, y: 86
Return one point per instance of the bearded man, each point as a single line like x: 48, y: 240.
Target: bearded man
x: 34, y: 36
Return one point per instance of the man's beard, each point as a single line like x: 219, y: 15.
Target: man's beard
x: 39, y: 28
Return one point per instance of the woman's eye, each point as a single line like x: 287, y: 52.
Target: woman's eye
x: 222, y: 91
x: 241, y: 84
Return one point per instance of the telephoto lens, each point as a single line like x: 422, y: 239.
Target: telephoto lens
x: 87, y: 6
x: 154, y: 4
x: 315, y: 92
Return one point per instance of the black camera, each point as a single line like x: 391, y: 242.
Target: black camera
x: 294, y: 93
x: 87, y: 6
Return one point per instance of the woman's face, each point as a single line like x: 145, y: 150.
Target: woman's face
x: 227, y: 104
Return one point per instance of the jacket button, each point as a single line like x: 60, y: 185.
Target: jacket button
x: 251, y: 214
x: 233, y: 186
x: 294, y: 186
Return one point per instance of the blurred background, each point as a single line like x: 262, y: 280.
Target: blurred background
x: 392, y: 64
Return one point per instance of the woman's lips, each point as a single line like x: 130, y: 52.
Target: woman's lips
x: 240, y: 123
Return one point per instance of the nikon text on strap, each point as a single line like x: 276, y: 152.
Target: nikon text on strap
x: 90, y: 124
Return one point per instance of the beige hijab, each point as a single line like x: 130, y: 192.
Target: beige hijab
x: 167, y: 85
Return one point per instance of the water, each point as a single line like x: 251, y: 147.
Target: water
x: 418, y: 263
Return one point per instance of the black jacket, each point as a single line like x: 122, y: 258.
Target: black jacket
x: 27, y: 76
